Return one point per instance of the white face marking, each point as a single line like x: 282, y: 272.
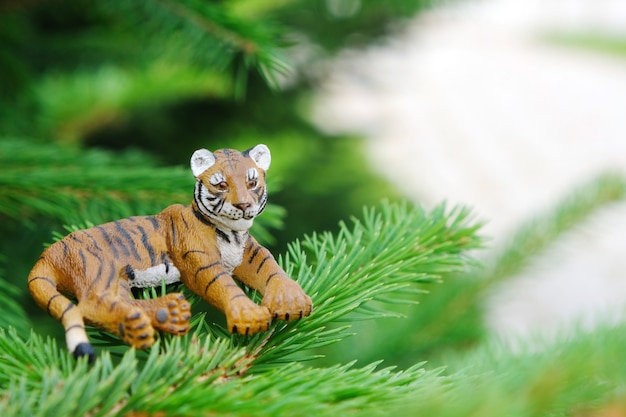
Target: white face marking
x: 217, y: 178
x: 154, y: 276
x: 252, y: 174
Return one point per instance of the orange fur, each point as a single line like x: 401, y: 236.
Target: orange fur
x: 204, y: 245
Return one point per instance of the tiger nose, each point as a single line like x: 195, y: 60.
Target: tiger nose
x: 242, y: 206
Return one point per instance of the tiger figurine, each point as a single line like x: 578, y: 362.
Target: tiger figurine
x: 203, y: 245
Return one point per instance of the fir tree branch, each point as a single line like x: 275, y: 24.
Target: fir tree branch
x: 185, y: 12
x: 76, y: 186
x: 391, y: 249
x: 194, y: 377
x: 207, y: 35
x: 12, y: 313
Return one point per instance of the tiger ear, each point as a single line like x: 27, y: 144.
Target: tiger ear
x: 261, y: 155
x: 201, y: 160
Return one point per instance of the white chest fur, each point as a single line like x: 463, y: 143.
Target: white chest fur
x: 154, y: 276
x: 231, y: 246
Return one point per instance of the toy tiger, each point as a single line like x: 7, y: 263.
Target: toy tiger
x: 203, y: 245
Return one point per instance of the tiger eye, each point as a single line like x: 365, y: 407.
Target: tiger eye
x: 222, y: 186
x: 252, y: 183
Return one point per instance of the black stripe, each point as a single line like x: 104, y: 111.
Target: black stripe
x: 95, y: 255
x: 254, y: 253
x: 75, y: 326
x: 192, y: 251
x: 228, y: 156
x: 221, y: 234
x: 83, y: 259
x: 237, y: 238
x: 129, y: 238
x: 262, y: 263
x: 219, y: 205
x: 65, y: 249
x: 155, y: 222
x: 130, y: 272
x: 97, y: 277
x: 73, y: 236
x: 237, y: 296
x: 50, y: 302
x: 202, y: 218
x: 184, y: 221
x: 94, y: 242
x: 272, y: 276
x: 173, y: 232
x: 258, y: 192
x: 48, y: 280
x: 119, y: 243
x: 166, y: 261
x: 262, y: 204
x: 111, y: 277
x: 215, y: 279
x: 197, y: 196
x: 69, y: 307
x: 202, y: 268
x: 146, y: 243
x: 108, y: 240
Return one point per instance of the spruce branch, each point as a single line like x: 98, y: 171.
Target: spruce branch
x: 206, y: 35
x: 12, y: 313
x: 207, y: 24
x: 380, y: 258
x: 390, y: 250
x: 75, y: 186
x: 191, y: 377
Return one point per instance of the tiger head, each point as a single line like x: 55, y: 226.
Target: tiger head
x: 230, y: 188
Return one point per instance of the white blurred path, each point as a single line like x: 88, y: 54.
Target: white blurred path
x: 470, y: 104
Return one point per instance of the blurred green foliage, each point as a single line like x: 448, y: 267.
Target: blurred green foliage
x: 101, y: 104
x: 170, y: 76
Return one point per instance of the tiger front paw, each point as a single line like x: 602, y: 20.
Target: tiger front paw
x: 246, y: 317
x: 286, y: 300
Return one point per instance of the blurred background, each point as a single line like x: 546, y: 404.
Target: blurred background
x: 506, y: 106
x: 513, y: 107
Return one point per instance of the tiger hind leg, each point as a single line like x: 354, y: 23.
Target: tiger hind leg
x: 119, y: 316
x: 42, y: 286
x: 169, y: 313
